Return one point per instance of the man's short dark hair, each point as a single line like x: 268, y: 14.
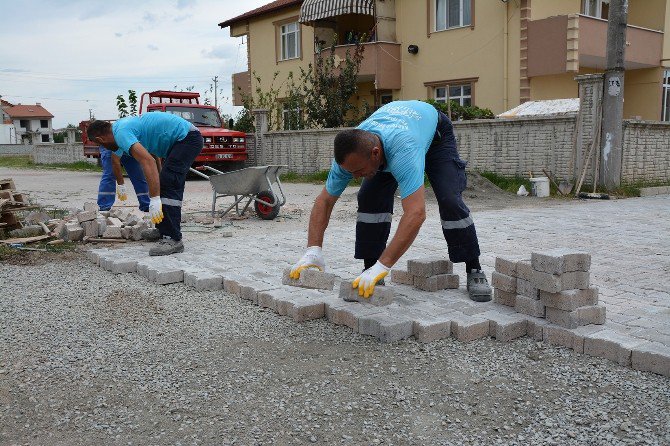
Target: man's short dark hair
x: 352, y: 141
x: 98, y: 128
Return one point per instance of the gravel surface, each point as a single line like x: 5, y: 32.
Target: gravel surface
x: 87, y: 357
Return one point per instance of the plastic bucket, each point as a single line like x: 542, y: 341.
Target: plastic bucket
x: 540, y: 186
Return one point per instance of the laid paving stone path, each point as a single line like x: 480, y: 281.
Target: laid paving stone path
x: 629, y: 243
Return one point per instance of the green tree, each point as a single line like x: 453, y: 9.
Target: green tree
x: 244, y: 121
x: 132, y: 100
x: 121, y: 106
x: 457, y: 112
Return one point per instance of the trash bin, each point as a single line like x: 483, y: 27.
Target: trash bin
x: 540, y: 186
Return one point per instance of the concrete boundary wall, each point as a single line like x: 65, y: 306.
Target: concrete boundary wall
x: 58, y: 153
x: 16, y: 149
x: 646, y: 152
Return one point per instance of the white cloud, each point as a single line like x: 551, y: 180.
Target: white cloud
x: 152, y: 47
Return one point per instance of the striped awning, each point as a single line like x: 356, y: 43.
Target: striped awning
x: 312, y: 10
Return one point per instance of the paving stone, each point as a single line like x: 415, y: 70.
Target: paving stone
x: 469, y: 328
x: 570, y: 338
x: 94, y: 256
x: 508, y: 265
x: 310, y: 278
x: 503, y: 282
x: 524, y: 270
x: 651, y: 357
x: 248, y: 292
x: 113, y: 221
x: 203, y: 281
x: 86, y: 216
x: 167, y: 276
x: 385, y: 327
x: 266, y: 299
x: 231, y: 284
x: 74, y: 232
x: 593, y: 314
x: 560, y: 261
x: 428, y: 328
x: 124, y: 266
x: 112, y: 232
x: 504, y: 298
x: 651, y: 334
x: 437, y: 282
x: 305, y: 309
x: 569, y: 300
x: 349, y: 314
x: 381, y: 296
x: 505, y: 327
x: 554, y: 283
x: 430, y: 266
x: 402, y: 276
x: 102, y: 225
x: 535, y: 327
x: 90, y: 228
x: 608, y: 344
x: 91, y: 207
x: 526, y: 288
x: 529, y: 306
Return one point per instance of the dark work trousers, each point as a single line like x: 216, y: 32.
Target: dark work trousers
x: 446, y: 173
x: 173, y: 178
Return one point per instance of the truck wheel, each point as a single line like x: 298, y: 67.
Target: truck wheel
x: 264, y: 211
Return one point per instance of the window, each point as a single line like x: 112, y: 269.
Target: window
x: 452, y: 14
x: 665, y: 113
x: 289, y: 41
x: 45, y: 138
x: 461, y: 94
x: 292, y: 118
x: 596, y: 8
x: 24, y: 123
x: 44, y: 123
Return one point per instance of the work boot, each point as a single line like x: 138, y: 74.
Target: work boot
x: 478, y: 287
x: 167, y: 246
x: 150, y: 235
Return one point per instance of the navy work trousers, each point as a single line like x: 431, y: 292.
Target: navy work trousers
x: 446, y: 173
x: 173, y: 179
x: 107, y: 188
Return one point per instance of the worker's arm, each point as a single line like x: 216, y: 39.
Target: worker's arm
x: 149, y: 168
x: 318, y: 222
x: 159, y: 163
x: 414, y: 214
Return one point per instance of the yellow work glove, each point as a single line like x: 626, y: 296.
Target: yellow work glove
x: 312, y: 259
x: 366, y: 282
x: 121, y: 192
x: 155, y: 210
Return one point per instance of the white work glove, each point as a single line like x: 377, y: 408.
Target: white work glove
x: 312, y: 259
x: 155, y: 210
x: 121, y: 192
x: 366, y: 282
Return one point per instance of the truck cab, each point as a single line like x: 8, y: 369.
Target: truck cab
x: 224, y: 149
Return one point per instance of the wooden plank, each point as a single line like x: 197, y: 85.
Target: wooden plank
x: 25, y: 239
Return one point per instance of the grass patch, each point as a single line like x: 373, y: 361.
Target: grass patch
x: 509, y: 184
x: 26, y: 162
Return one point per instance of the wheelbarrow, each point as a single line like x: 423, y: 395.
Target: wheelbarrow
x: 260, y: 185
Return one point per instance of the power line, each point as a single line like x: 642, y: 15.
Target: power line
x: 42, y: 97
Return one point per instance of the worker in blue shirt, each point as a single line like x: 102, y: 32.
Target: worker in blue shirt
x: 392, y: 149
x: 112, y: 183
x: 149, y: 138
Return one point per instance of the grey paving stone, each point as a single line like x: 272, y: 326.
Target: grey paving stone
x: 266, y: 299
x: 248, y: 292
x: 560, y: 260
x: 310, y: 278
x: 608, y: 344
x: 507, y: 265
x: 112, y: 232
x: 594, y: 314
x: 166, y: 276
x: 429, y: 328
x: 385, y: 327
x: 503, y: 282
x: 529, y: 306
x: 651, y: 357
x: 123, y: 266
x: 526, y: 288
x: 535, y: 327
x: 203, y: 281
x: 401, y: 276
x: 304, y: 309
x: 73, y: 232
x: 469, y: 328
x: 430, y: 266
x: 504, y: 298
x: 570, y: 338
x: 437, y: 282
x: 231, y: 284
x: 569, y: 300
x: 505, y: 327
x: 90, y: 228
x: 524, y: 270
x: 349, y: 313
x: 86, y: 216
x: 381, y: 296
x: 554, y: 283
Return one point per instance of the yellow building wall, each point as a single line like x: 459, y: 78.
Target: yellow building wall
x: 455, y: 53
x: 642, y: 94
x: 559, y: 86
x: 666, y: 38
x: 541, y: 9
x: 264, y: 47
x: 647, y: 13
x: 513, y: 57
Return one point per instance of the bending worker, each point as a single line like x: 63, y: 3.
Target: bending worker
x: 393, y: 148
x: 112, y: 182
x: 159, y: 135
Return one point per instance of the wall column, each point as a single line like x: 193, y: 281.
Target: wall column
x: 261, y: 126
x: 588, y: 122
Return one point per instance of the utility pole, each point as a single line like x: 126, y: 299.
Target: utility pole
x: 612, y: 109
x: 216, y: 92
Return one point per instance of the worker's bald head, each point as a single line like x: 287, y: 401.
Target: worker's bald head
x: 353, y: 141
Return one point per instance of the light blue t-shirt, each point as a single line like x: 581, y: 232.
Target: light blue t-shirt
x: 406, y: 130
x: 156, y: 131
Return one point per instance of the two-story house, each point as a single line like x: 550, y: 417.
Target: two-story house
x: 495, y: 54
x: 32, y: 123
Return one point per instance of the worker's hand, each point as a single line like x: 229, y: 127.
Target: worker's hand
x: 155, y: 210
x: 121, y: 192
x: 366, y: 282
x: 312, y: 259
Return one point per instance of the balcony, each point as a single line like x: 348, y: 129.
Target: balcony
x: 243, y: 81
x: 380, y: 64
x: 563, y: 44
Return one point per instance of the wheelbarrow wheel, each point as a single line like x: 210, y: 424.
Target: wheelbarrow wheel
x: 263, y: 210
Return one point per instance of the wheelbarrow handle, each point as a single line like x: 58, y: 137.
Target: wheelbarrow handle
x: 198, y: 173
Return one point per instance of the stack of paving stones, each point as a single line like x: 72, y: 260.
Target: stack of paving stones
x: 428, y: 316
x: 428, y: 274
x: 91, y: 223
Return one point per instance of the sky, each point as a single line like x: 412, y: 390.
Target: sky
x: 73, y: 56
